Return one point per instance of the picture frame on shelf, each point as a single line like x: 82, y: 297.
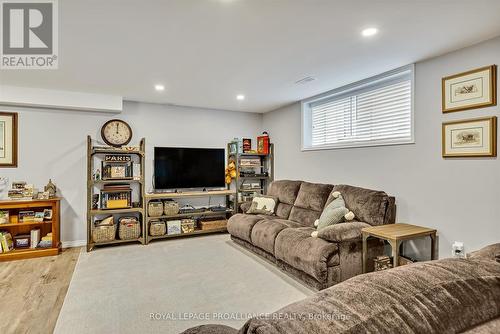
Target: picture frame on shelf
x: 39, y: 216
x: 47, y: 214
x: 470, y: 90
x: 470, y: 138
x: 8, y: 139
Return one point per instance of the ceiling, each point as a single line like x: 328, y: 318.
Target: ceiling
x: 205, y: 52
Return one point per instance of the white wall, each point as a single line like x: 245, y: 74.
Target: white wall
x: 460, y: 197
x: 52, y: 144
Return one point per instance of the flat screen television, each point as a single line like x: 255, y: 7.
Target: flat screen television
x: 182, y: 168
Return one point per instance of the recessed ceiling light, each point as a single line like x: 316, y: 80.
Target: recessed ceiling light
x: 369, y: 32
x: 159, y: 88
x: 240, y: 97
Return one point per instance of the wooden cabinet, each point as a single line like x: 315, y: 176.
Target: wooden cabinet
x: 17, y: 227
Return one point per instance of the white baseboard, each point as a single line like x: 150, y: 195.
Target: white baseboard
x: 74, y: 243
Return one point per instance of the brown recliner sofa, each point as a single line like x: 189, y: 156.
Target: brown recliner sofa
x: 285, y: 238
x: 443, y: 296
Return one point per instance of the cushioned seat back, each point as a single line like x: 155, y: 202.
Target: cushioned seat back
x: 310, y: 202
x: 369, y: 206
x: 286, y: 191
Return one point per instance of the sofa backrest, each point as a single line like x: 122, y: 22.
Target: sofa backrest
x: 286, y: 191
x: 370, y: 206
x: 303, y: 202
x: 299, y: 201
x: 310, y: 202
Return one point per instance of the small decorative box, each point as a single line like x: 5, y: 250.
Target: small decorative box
x: 173, y: 227
x: 22, y: 241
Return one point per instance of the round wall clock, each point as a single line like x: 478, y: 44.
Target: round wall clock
x: 116, y: 133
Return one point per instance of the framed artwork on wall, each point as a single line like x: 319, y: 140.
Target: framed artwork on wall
x: 470, y: 138
x: 471, y: 89
x: 8, y: 139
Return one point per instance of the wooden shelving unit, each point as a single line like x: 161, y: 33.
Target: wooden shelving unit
x: 266, y: 165
x: 95, y: 152
x: 207, y: 213
x: 52, y: 225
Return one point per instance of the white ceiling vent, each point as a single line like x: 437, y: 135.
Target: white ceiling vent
x: 305, y: 80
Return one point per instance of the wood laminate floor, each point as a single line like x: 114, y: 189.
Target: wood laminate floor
x: 32, y: 292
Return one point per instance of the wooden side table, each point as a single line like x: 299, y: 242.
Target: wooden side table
x: 395, y: 234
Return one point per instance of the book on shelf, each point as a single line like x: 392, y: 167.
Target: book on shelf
x: 4, y: 217
x: 115, y: 187
x: 136, y: 171
x: 6, y: 241
x: 34, y: 238
x: 26, y: 216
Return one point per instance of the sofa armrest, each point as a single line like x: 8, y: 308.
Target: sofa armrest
x: 341, y: 232
x: 245, y: 206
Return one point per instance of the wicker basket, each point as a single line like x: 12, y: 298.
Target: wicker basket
x: 155, y: 209
x: 188, y: 225
x: 129, y: 228
x: 170, y: 208
x: 157, y: 228
x: 213, y: 223
x: 104, y: 233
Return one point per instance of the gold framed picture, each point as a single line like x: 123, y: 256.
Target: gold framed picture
x: 470, y: 138
x: 8, y: 139
x: 469, y: 90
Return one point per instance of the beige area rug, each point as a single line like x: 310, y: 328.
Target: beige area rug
x: 169, y: 286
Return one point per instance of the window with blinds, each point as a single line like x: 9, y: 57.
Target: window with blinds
x: 376, y: 111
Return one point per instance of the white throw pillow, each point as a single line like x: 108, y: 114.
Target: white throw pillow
x: 263, y: 205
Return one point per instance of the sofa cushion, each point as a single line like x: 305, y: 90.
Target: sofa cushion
x: 491, y: 252
x: 264, y: 232
x: 310, y: 202
x: 297, y: 248
x: 443, y: 296
x: 211, y: 329
x: 305, y: 217
x: 367, y: 205
x: 286, y: 191
x: 350, y: 231
x: 240, y: 225
x: 313, y: 196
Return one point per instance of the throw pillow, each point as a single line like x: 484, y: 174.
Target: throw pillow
x: 335, y: 212
x: 262, y: 204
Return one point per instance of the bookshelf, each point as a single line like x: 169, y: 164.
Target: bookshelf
x: 15, y: 227
x: 125, y: 176
x: 243, y: 193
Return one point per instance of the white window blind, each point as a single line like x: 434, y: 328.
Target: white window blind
x: 377, y: 111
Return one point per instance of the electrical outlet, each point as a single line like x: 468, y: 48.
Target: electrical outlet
x: 458, y: 249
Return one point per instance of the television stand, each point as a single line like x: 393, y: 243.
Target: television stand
x: 205, y: 213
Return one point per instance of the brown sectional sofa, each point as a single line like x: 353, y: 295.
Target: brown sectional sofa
x: 285, y: 239
x: 442, y: 296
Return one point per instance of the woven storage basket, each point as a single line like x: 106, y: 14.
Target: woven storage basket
x: 129, y: 228
x: 155, y: 209
x: 104, y: 233
x: 188, y: 225
x: 171, y: 208
x: 157, y: 227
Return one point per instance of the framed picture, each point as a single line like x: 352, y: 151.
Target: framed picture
x: 8, y: 139
x: 468, y: 90
x: 47, y: 214
x: 470, y: 138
